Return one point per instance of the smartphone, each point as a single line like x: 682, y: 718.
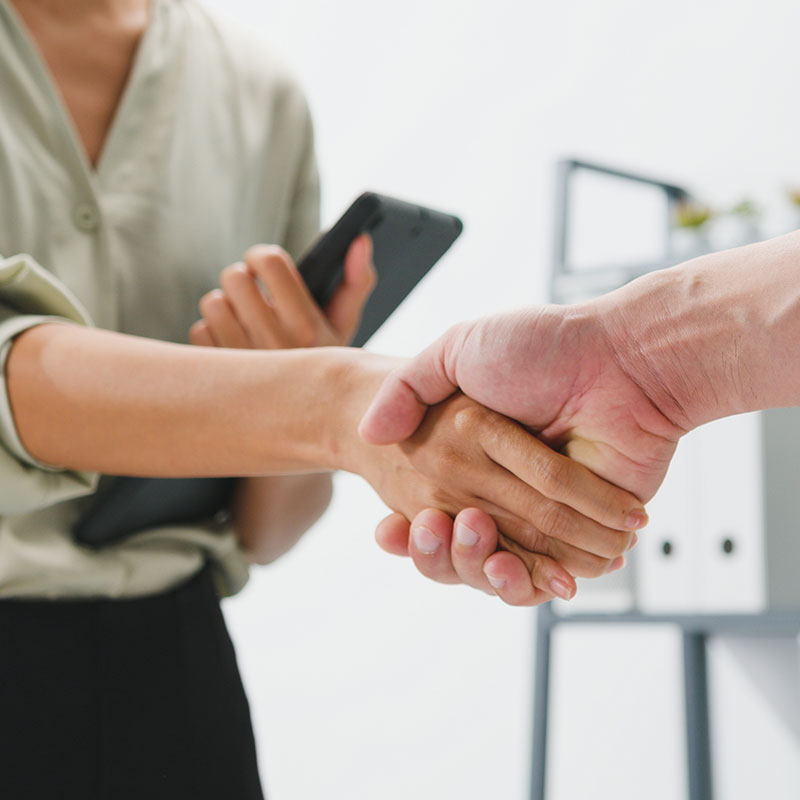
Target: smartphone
x: 407, y: 241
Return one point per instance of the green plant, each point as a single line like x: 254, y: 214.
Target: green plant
x: 746, y: 208
x: 693, y: 215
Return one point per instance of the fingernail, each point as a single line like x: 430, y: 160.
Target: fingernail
x: 634, y: 540
x: 465, y: 536
x: 497, y: 583
x: 637, y: 519
x: 425, y: 541
x: 561, y: 589
x: 617, y: 563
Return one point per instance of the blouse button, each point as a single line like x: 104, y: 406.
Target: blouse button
x: 86, y: 217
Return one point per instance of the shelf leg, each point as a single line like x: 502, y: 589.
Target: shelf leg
x: 698, y: 735
x: 541, y: 699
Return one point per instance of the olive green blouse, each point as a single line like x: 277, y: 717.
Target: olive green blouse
x: 210, y: 151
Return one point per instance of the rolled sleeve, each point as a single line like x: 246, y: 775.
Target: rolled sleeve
x: 29, y: 296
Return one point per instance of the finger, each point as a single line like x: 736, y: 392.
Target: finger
x: 429, y: 545
x: 562, y: 479
x: 402, y: 400
x: 222, y: 322
x: 347, y: 304
x: 474, y: 540
x: 528, y: 540
x: 554, y: 519
x: 291, y: 299
x: 200, y: 334
x: 392, y: 534
x: 255, y: 316
x: 512, y: 581
x: 547, y: 576
x: 469, y: 557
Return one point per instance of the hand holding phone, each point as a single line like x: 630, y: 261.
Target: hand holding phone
x: 263, y: 303
x: 407, y: 241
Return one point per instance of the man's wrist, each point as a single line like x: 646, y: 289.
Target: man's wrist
x: 675, y: 336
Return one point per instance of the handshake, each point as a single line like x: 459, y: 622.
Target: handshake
x: 564, y: 495
x: 517, y: 451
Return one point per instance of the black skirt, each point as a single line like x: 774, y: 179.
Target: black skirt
x: 123, y: 700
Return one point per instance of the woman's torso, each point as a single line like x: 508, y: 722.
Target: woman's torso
x: 208, y: 153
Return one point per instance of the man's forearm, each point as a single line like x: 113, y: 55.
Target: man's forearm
x: 94, y: 400
x: 715, y: 336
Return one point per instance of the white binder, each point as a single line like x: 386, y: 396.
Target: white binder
x: 666, y: 556
x: 731, y: 548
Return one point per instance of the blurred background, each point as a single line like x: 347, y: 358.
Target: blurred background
x: 365, y: 680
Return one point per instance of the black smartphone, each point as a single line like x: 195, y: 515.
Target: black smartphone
x: 407, y: 240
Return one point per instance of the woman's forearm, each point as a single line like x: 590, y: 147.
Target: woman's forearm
x: 95, y: 400
x: 715, y: 336
x: 270, y: 514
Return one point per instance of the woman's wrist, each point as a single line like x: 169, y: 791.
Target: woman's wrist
x: 352, y: 381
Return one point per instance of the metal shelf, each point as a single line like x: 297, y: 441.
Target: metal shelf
x: 567, y: 284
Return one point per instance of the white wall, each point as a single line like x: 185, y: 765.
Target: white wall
x: 365, y: 680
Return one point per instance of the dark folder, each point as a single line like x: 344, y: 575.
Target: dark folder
x: 125, y: 505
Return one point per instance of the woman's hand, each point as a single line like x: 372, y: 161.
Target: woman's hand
x: 264, y: 304
x: 556, y: 518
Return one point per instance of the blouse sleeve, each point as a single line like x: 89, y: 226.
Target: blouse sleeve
x: 29, y: 296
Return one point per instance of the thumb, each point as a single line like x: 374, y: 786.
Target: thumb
x: 403, y: 398
x: 345, y: 307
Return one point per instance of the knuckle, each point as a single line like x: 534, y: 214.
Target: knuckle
x: 469, y: 419
x: 539, y: 576
x: 556, y: 520
x: 589, y: 566
x: 611, y: 505
x: 619, y: 543
x: 306, y: 334
x: 196, y: 331
x: 269, y: 257
x: 596, y: 539
x: 211, y: 302
x: 528, y: 541
x: 234, y: 276
x: 463, y: 421
x: 554, y: 474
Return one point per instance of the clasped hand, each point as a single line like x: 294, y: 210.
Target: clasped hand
x: 528, y: 520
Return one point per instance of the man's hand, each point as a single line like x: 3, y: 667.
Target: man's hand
x: 554, y: 369
x: 467, y: 553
